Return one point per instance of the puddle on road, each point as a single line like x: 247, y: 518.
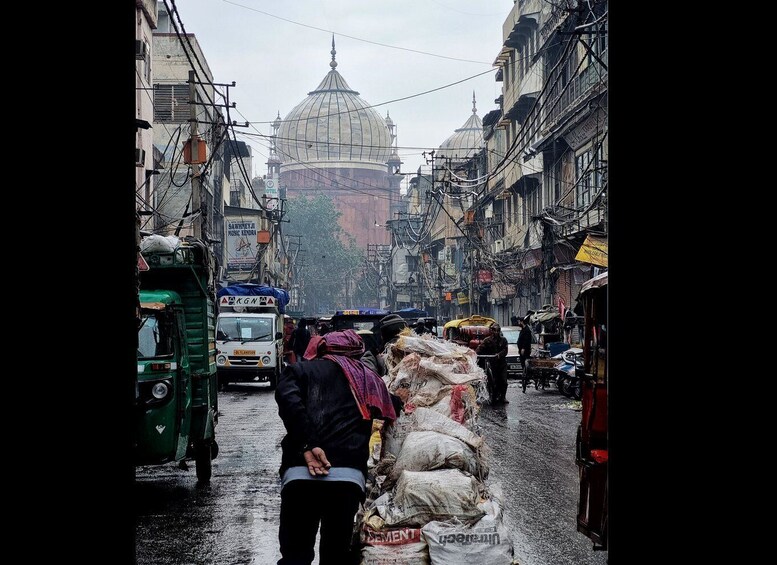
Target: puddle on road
x: 576, y: 405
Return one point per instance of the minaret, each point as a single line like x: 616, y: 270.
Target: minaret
x: 273, y: 161
x: 394, y: 163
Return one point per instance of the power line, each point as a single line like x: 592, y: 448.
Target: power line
x: 329, y: 31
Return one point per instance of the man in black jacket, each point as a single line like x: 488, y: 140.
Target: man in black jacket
x: 327, y: 406
x: 524, y: 347
x: 496, y: 344
x: 299, y: 340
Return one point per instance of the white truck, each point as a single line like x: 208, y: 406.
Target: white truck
x: 249, y: 339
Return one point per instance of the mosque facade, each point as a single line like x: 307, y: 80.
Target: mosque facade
x: 334, y: 143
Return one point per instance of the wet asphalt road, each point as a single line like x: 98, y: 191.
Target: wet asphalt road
x: 234, y: 520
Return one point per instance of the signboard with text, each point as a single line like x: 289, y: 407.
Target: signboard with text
x: 241, y: 243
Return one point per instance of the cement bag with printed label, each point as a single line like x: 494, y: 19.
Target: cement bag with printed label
x: 394, y: 434
x: 393, y: 546
x: 486, y: 542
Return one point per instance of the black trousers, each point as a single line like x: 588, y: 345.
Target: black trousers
x: 500, y: 381
x: 305, y: 505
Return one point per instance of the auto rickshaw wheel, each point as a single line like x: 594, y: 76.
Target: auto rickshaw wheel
x: 202, y: 460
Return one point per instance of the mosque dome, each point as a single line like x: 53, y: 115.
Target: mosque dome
x: 334, y: 127
x: 467, y: 140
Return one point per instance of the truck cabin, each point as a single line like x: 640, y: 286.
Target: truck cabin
x: 237, y: 319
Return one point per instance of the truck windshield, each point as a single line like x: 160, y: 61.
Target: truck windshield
x: 246, y: 328
x: 153, y: 339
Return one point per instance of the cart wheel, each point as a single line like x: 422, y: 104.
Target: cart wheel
x: 577, y: 389
x: 202, y: 460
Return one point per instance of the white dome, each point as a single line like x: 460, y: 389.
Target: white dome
x: 333, y: 127
x: 466, y: 141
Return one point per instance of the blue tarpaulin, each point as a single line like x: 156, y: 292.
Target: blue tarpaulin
x: 412, y: 313
x: 253, y: 289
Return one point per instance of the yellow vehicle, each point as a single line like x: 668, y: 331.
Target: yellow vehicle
x: 468, y: 332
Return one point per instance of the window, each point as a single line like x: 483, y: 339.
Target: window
x: 153, y: 338
x: 553, y: 191
x: 147, y: 62
x: 412, y: 263
x: 244, y: 328
x: 533, y: 201
x: 171, y: 103
x: 588, y: 174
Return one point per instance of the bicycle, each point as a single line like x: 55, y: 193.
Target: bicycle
x: 489, y: 375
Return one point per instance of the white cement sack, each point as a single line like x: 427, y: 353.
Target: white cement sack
x: 423, y: 496
x: 393, y: 546
x: 486, y: 542
x: 432, y: 421
x: 456, y: 373
x: 159, y: 244
x: 394, y: 434
x: 427, y: 451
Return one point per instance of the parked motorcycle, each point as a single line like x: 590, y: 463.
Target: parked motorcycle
x: 568, y: 382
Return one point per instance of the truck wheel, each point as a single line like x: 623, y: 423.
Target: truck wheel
x: 202, y: 460
x: 273, y: 380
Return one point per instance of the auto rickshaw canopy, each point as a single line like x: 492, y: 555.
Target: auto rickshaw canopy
x: 474, y: 320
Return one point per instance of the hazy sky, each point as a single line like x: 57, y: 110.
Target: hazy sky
x: 275, y: 62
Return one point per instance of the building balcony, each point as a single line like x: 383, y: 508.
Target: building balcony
x: 519, y: 96
x: 562, y: 99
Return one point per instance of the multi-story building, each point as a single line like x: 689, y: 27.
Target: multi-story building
x: 146, y: 22
x: 519, y: 210
x: 546, y: 155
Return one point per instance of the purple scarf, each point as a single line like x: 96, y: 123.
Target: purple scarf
x: 345, y: 348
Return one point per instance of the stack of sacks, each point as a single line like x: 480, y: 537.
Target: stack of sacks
x: 429, y: 503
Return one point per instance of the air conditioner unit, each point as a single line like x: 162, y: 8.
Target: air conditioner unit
x: 441, y: 255
x: 140, y: 157
x: 498, y: 246
x: 140, y: 50
x: 489, y: 211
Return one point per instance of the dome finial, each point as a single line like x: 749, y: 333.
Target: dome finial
x: 474, y: 108
x: 333, y: 63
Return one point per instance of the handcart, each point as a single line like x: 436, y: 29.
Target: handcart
x: 542, y: 370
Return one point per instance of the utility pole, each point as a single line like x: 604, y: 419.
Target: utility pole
x: 195, y: 145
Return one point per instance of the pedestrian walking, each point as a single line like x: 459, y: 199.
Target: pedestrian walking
x: 327, y: 405
x: 496, y: 344
x: 524, y: 346
x: 300, y: 338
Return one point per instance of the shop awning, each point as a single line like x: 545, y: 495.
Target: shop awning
x: 593, y: 251
x: 500, y: 290
x: 596, y: 282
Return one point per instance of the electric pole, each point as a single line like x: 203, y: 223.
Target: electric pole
x: 195, y: 148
